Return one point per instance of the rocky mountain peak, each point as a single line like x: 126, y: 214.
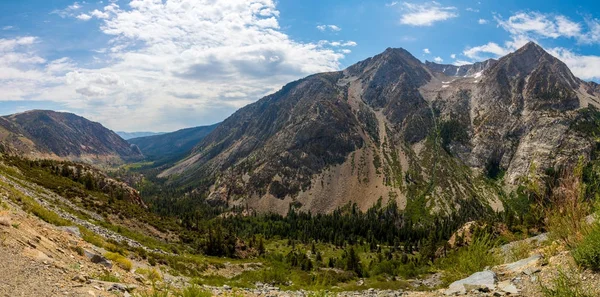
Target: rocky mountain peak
x: 533, y: 59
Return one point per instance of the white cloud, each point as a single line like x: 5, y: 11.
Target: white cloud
x: 426, y: 14
x: 69, y: 11
x: 489, y: 48
x: 482, y: 21
x: 539, y: 25
x: 472, y: 9
x: 170, y: 64
x: 461, y: 63
x: 583, y: 66
x: 333, y: 28
x: 453, y: 56
x: 438, y: 60
x: 6, y: 28
x: 426, y: 51
x: 84, y: 17
x: 394, y: 3
x: 533, y: 26
x: 99, y: 14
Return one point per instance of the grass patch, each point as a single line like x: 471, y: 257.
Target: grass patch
x: 28, y: 204
x: 194, y: 291
x: 151, y: 274
x: 566, y: 285
x: 470, y: 259
x: 587, y: 252
x: 120, y: 260
x: 519, y: 250
x: 108, y: 277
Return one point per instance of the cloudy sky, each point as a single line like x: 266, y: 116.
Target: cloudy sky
x: 161, y: 65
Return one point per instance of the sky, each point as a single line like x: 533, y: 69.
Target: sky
x: 163, y: 65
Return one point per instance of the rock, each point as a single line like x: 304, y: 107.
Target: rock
x: 511, y: 289
x: 116, y: 287
x: 484, y: 280
x: 79, y: 278
x: 5, y: 221
x: 97, y: 259
x: 226, y: 287
x: 529, y: 264
x: 72, y: 230
x: 139, y: 278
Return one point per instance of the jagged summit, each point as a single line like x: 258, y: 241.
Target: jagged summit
x: 462, y: 70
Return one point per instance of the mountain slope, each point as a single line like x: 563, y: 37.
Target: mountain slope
x: 172, y: 144
x: 50, y: 134
x: 392, y: 127
x: 131, y: 135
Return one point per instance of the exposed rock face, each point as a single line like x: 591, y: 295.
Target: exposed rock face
x: 40, y: 133
x: 392, y: 127
x: 461, y: 71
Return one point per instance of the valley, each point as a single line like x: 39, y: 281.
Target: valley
x: 392, y: 177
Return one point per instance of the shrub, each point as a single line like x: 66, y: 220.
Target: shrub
x: 108, y: 277
x: 151, y: 274
x: 587, y: 253
x: 565, y: 285
x: 519, y: 250
x: 120, y: 260
x: 194, y: 291
x: 568, y: 208
x: 470, y: 259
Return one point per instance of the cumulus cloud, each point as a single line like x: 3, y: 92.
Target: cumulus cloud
x: 586, y: 67
x: 84, y: 17
x: 482, y: 21
x: 426, y: 51
x: 453, y: 56
x: 438, y: 59
x: 198, y: 64
x: 535, y: 26
x: 426, y: 14
x: 333, y: 28
x: 68, y: 11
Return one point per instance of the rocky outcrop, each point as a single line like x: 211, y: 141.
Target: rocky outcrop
x: 469, y: 70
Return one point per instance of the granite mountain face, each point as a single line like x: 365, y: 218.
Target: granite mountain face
x: 56, y: 135
x: 391, y: 127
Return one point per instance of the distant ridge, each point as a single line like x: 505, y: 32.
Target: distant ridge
x: 130, y: 135
x: 50, y: 134
x: 173, y: 144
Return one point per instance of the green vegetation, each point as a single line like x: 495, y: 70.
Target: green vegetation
x: 470, y: 259
x: 121, y: 261
x: 566, y: 285
x: 28, y: 204
x: 107, y: 277
x: 587, y: 252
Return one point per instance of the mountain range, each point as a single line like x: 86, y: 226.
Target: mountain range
x: 426, y: 135
x: 391, y: 127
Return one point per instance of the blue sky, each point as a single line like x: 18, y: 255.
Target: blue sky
x: 163, y: 65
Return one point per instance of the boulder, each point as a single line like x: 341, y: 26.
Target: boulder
x: 5, y: 222
x: 481, y: 281
x: 97, y: 259
x: 529, y: 266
